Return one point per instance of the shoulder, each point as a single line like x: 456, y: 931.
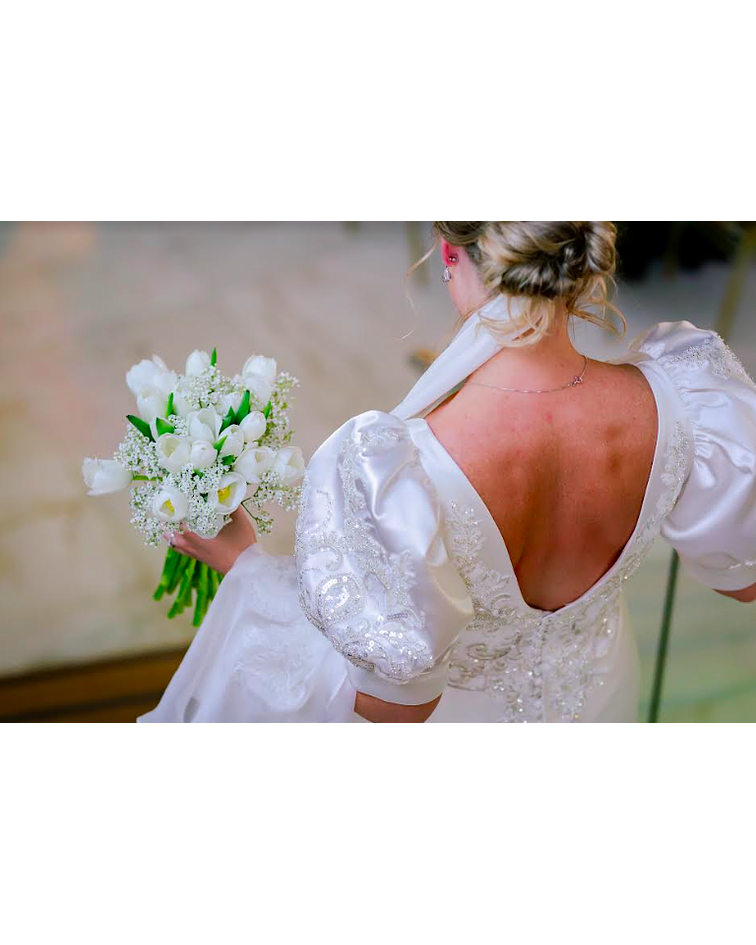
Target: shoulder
x: 717, y: 394
x: 363, y: 434
x: 680, y: 348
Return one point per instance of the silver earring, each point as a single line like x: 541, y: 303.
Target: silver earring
x: 446, y: 275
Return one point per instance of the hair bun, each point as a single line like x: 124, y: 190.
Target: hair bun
x: 543, y: 261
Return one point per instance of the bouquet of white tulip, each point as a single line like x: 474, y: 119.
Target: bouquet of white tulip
x: 200, y: 443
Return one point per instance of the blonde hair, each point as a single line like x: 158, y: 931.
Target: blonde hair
x: 540, y: 263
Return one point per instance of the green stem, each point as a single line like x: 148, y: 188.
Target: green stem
x: 185, y: 591
x: 181, y: 564
x: 174, y: 609
x: 212, y: 586
x: 200, y: 608
x: 171, y: 562
x: 185, y: 575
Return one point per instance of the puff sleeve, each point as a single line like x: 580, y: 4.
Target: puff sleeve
x: 713, y: 524
x: 375, y: 576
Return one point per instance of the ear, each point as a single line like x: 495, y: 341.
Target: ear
x: 449, y: 253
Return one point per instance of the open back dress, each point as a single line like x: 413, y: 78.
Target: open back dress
x: 401, y: 585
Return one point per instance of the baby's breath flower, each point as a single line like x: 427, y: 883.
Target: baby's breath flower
x: 139, y: 455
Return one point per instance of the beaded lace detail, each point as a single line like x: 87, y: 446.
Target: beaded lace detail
x: 712, y: 352
x: 530, y: 660
x: 722, y: 361
x: 362, y: 596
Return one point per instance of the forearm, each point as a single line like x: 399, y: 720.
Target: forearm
x: 376, y: 710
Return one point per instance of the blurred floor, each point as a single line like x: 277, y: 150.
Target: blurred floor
x: 79, y: 303
x: 115, y: 690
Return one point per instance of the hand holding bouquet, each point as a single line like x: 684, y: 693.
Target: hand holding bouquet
x: 200, y: 443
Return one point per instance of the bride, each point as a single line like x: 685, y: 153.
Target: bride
x: 463, y: 558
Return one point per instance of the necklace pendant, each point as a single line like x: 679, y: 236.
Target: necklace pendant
x: 576, y: 380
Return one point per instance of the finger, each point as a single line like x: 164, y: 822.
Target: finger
x: 177, y: 540
x: 183, y: 548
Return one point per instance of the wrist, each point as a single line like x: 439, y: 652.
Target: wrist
x: 252, y: 548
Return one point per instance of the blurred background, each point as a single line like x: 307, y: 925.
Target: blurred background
x: 81, y: 638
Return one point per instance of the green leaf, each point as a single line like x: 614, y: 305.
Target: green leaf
x: 162, y: 426
x: 214, y: 357
x: 228, y: 460
x: 228, y: 419
x: 141, y: 425
x: 243, y: 410
x: 219, y: 444
x: 169, y: 409
x: 268, y: 408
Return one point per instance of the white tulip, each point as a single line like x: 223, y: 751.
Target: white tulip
x: 151, y: 404
x: 230, y: 492
x: 234, y: 442
x: 229, y: 400
x: 204, y: 424
x: 259, y: 365
x: 170, y: 504
x: 173, y: 451
x: 288, y: 465
x: 259, y: 374
x: 254, y: 462
x: 253, y: 426
x: 202, y: 454
x: 197, y: 362
x: 260, y: 387
x: 103, y: 476
x: 151, y: 375
x: 181, y: 405
x: 151, y: 383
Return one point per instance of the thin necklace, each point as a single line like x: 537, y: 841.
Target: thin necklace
x: 577, y: 379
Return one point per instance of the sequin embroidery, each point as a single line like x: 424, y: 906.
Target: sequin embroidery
x: 362, y: 594
x: 532, y: 661
x: 722, y: 361
x: 712, y: 352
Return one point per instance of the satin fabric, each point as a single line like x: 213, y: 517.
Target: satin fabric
x: 713, y: 525
x: 472, y: 346
x: 256, y: 657
x: 385, y: 541
x: 267, y: 648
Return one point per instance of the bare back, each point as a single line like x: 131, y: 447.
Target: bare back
x: 562, y: 474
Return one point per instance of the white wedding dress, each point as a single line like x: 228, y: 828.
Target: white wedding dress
x: 401, y: 585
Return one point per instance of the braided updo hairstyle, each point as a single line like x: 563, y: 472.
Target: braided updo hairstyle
x: 542, y: 262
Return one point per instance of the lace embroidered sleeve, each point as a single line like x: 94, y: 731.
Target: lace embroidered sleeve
x: 375, y: 576
x: 713, y: 524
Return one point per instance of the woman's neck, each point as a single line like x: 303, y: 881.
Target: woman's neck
x: 552, y: 359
